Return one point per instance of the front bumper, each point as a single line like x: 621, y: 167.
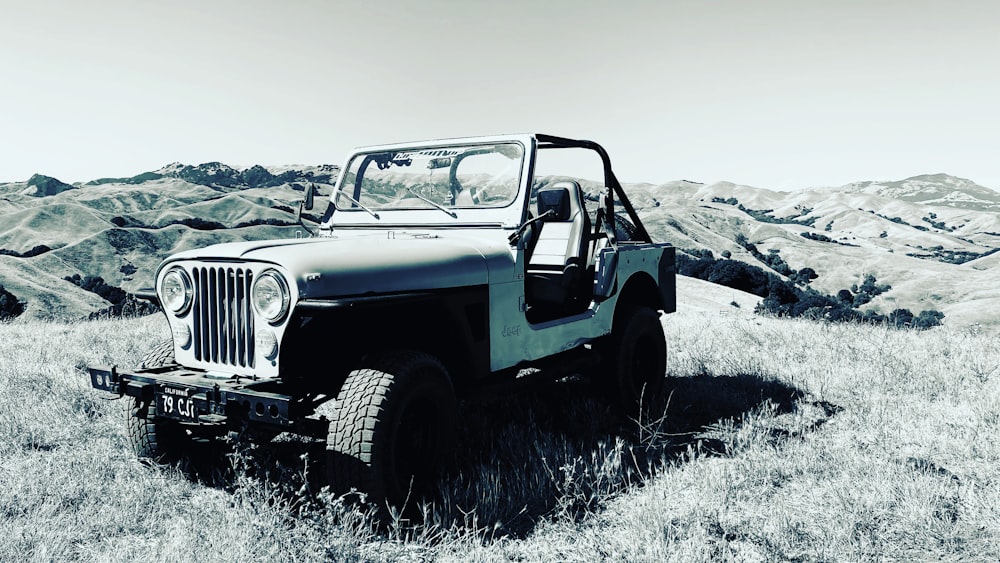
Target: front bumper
x: 208, y: 401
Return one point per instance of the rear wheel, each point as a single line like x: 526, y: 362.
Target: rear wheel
x: 392, y: 429
x: 634, y: 359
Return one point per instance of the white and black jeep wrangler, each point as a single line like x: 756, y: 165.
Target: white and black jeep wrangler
x: 440, y: 269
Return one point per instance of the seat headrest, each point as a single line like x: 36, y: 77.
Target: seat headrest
x: 558, y: 198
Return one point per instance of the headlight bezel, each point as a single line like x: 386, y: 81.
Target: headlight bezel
x: 186, y: 291
x: 280, y: 288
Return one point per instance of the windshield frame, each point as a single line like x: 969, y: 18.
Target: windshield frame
x: 508, y: 215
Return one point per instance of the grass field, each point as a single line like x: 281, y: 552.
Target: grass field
x: 780, y: 440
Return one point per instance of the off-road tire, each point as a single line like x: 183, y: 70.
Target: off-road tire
x: 393, y: 428
x: 624, y: 229
x: 634, y: 359
x: 158, y: 440
x: 161, y: 355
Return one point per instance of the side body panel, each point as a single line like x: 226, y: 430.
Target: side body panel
x: 515, y: 341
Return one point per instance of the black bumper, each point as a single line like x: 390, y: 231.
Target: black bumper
x: 207, y: 400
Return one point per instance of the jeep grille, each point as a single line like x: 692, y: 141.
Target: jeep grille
x: 223, y: 320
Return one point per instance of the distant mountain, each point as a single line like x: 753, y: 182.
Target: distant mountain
x: 217, y: 174
x: 932, y: 189
x: 41, y: 186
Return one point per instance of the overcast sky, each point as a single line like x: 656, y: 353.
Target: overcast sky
x: 773, y: 94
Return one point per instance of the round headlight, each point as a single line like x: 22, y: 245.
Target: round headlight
x: 270, y: 296
x: 175, y: 291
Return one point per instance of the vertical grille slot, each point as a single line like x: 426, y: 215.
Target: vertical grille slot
x: 223, y: 322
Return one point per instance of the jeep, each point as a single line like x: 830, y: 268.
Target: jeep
x: 439, y: 270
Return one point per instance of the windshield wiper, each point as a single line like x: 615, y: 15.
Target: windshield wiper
x: 355, y: 202
x: 437, y: 205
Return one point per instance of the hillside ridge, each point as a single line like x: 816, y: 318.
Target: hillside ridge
x: 933, y: 238
x: 940, y: 189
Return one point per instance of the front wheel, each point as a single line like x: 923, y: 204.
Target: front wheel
x: 393, y: 427
x: 157, y: 439
x: 634, y: 359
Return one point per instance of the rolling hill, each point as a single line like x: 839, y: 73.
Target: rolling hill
x: 937, y: 255
x: 121, y: 228
x: 932, y: 238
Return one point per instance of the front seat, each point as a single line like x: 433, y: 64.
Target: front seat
x: 558, y: 260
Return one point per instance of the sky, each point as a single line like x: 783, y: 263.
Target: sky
x: 768, y: 93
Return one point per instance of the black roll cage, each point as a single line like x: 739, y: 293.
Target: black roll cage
x: 610, y: 180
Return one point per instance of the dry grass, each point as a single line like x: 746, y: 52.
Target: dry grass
x: 780, y: 440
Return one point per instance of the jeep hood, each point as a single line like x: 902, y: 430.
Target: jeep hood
x: 327, y: 267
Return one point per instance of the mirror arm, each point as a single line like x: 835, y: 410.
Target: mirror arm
x: 306, y: 203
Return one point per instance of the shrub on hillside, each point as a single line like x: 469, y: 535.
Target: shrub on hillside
x: 816, y: 237
x: 871, y: 288
x: 10, y: 305
x: 730, y: 273
x: 952, y: 256
x: 123, y: 304
x: 803, y: 276
x: 764, y: 215
x: 772, y: 259
x: 700, y: 253
x: 35, y: 251
x: 130, y: 306
x: 786, y: 299
x: 199, y: 224
x: 269, y: 222
x: 96, y: 284
x: 927, y: 319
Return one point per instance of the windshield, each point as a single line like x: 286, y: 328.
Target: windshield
x: 444, y: 178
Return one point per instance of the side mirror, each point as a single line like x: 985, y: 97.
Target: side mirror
x: 309, y: 197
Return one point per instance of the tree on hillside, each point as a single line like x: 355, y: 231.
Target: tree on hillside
x: 803, y: 276
x: 96, y: 284
x: 871, y: 288
x: 927, y: 319
x: 738, y: 275
x: 901, y: 317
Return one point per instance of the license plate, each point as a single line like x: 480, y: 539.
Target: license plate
x: 177, y: 403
